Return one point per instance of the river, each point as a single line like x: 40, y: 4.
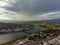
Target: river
x: 12, y: 36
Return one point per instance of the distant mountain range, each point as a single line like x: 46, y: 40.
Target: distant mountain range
x: 48, y: 21
x: 52, y: 20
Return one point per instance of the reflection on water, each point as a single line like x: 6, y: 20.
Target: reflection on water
x: 9, y: 37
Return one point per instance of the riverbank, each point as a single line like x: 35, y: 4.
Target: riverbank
x: 13, y: 36
x: 36, y: 39
x: 13, y: 41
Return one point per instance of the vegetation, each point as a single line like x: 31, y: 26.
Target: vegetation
x: 50, y: 29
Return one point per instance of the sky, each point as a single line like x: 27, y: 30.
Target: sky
x: 29, y: 10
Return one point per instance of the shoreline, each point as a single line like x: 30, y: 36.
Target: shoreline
x: 9, y: 37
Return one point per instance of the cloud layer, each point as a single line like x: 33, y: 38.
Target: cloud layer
x: 28, y: 10
x: 34, y: 7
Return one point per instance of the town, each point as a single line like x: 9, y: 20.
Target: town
x: 50, y: 35
x: 11, y: 28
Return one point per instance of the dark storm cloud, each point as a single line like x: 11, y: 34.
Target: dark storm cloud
x: 34, y: 6
x: 29, y: 10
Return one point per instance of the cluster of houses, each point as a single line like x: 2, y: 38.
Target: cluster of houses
x: 15, y: 27
x: 55, y: 41
x: 52, y: 40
